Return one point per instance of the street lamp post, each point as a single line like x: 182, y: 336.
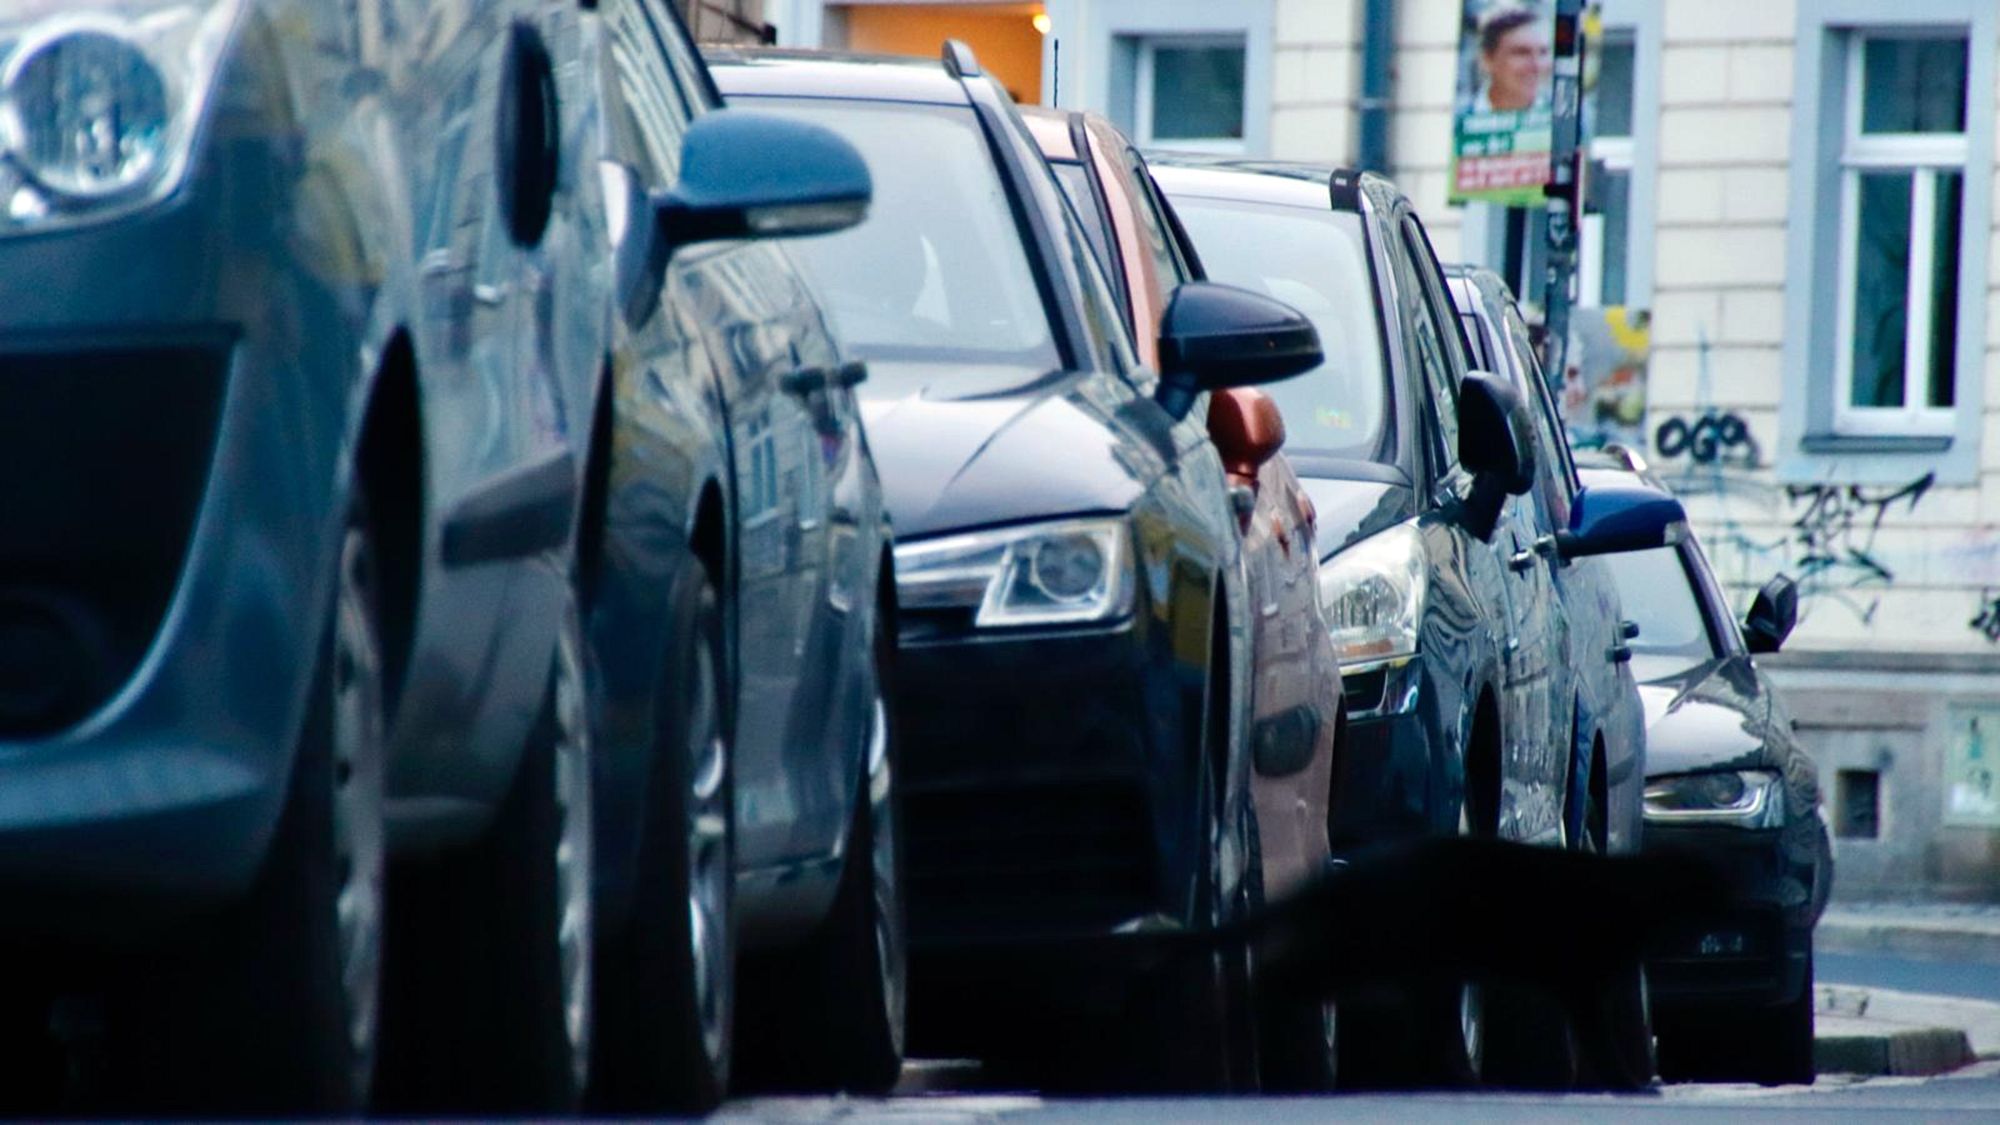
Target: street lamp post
x: 1565, y: 189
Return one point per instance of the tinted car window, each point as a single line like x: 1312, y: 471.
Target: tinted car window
x: 1159, y: 243
x: 937, y: 272
x: 1317, y: 262
x: 1433, y: 334
x: 1075, y: 181
x: 1656, y: 592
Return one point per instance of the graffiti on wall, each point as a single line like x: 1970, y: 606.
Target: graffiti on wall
x: 1604, y: 390
x: 1709, y: 438
x: 1987, y: 622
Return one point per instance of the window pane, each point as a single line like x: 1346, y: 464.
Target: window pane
x: 1944, y: 288
x: 1913, y: 85
x: 1197, y: 93
x: 1654, y: 592
x: 1881, y: 288
x: 1315, y: 261
x: 1614, y: 88
x: 1610, y: 195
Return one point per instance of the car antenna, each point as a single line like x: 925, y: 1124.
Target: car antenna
x: 1055, y: 73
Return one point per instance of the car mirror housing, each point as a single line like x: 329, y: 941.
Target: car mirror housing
x: 1496, y: 436
x: 1215, y: 336
x: 1610, y: 519
x: 1772, y: 616
x: 756, y: 175
x: 1247, y: 431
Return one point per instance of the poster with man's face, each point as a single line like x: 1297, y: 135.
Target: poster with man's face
x: 1502, y: 123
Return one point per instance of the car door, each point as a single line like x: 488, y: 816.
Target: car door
x: 789, y: 421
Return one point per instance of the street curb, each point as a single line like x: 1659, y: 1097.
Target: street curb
x: 1912, y: 1053
x: 1936, y: 941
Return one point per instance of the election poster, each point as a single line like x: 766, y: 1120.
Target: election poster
x: 1502, y: 121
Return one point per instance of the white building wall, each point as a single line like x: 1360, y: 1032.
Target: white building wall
x: 1316, y: 82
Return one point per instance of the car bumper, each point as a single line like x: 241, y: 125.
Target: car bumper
x: 1390, y: 780
x: 1758, y: 949
x: 169, y: 444
x: 1050, y: 791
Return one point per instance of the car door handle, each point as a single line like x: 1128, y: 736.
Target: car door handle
x: 1542, y: 547
x: 1620, y: 653
x: 804, y: 381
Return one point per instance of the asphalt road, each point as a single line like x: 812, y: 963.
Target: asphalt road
x: 1971, y: 1094
x: 1906, y: 974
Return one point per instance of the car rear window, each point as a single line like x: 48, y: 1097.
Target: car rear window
x: 937, y: 271
x: 1656, y: 593
x: 1317, y: 262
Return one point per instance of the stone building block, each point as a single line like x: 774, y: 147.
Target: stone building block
x: 1421, y: 140
x: 1427, y: 77
x: 1755, y: 195
x: 1683, y: 317
x: 1319, y: 133
x: 1428, y: 23
x: 1729, y: 21
x: 1694, y: 75
x: 1715, y: 136
x: 1317, y: 21
x: 1690, y: 195
x: 1753, y: 316
x: 1703, y: 257
x: 1760, y: 73
x: 1315, y: 74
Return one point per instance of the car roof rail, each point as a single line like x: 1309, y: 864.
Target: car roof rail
x: 959, y: 60
x: 1345, y: 185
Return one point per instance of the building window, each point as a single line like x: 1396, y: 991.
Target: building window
x: 1902, y: 197
x: 1188, y: 93
x: 1607, y: 209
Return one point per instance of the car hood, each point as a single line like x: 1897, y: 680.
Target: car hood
x: 1351, y: 508
x: 963, y: 448
x: 1712, y: 715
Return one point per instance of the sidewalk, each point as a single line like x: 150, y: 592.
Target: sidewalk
x: 1880, y: 1031
x: 1937, y: 931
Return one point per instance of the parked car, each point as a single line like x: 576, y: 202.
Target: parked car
x: 1591, y: 679
x: 1448, y: 649
x: 1295, y: 699
x: 1074, y: 624
x: 350, y: 560
x: 1727, y: 779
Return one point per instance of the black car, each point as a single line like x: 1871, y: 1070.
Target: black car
x: 1726, y: 778
x: 1449, y: 638
x: 1074, y: 627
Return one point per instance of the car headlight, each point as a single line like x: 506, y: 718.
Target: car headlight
x: 1372, y: 595
x: 99, y: 102
x: 1067, y: 573
x: 1746, y: 798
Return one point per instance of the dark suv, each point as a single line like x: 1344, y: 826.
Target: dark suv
x: 1448, y: 642
x: 1074, y: 630
x: 370, y: 567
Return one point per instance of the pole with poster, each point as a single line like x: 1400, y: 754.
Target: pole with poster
x: 1564, y: 189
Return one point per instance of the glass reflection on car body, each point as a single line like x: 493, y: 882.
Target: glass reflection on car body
x: 1317, y: 262
x: 937, y: 272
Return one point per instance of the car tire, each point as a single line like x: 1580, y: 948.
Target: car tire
x: 1298, y: 1037
x: 666, y: 979
x: 832, y: 1016
x: 1618, y: 1053
x: 515, y: 907
x: 1772, y: 1045
x: 275, y: 1012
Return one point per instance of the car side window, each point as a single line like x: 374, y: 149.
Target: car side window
x: 690, y: 75
x: 1425, y: 344
x: 644, y: 107
x: 1562, y: 462
x: 1159, y: 240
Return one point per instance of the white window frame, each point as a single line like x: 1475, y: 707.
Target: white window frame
x: 1617, y: 154
x: 1922, y: 155
x: 1142, y: 93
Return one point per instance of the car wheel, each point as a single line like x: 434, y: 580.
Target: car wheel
x: 1298, y: 1036
x: 276, y: 1013
x: 832, y: 1016
x: 1618, y: 1053
x: 1768, y: 1045
x: 666, y: 981
x: 516, y: 907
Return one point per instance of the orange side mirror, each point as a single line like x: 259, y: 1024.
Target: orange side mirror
x: 1247, y: 430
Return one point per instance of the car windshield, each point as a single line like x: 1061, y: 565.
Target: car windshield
x: 1655, y: 592
x: 1317, y: 262
x: 937, y: 272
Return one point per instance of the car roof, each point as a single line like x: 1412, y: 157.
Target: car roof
x: 1327, y: 185
x: 778, y: 72
x: 1221, y: 181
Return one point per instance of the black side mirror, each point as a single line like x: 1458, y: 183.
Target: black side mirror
x: 1772, y: 616
x: 743, y: 175
x: 1496, y: 444
x: 1215, y: 336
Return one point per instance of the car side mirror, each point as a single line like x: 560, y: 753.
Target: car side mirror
x: 1247, y: 431
x: 743, y: 174
x: 757, y: 175
x: 1608, y: 519
x: 1772, y: 616
x: 1496, y: 435
x: 1216, y: 336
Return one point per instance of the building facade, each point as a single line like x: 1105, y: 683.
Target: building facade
x: 1790, y: 230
